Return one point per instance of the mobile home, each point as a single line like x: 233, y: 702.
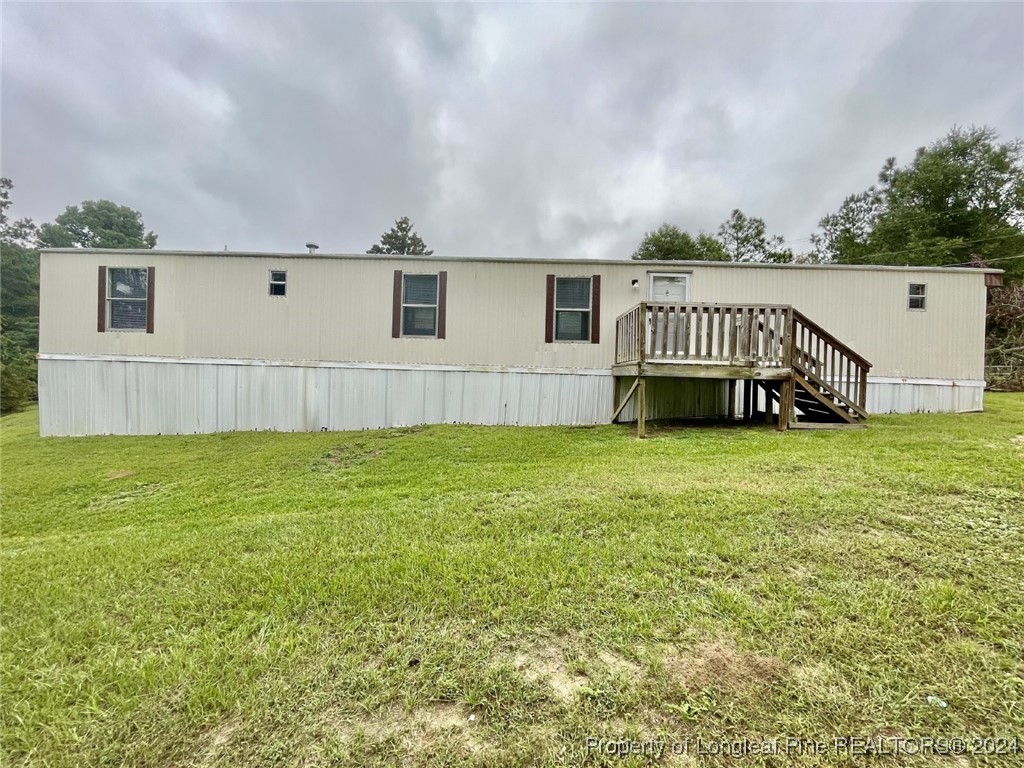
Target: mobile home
x: 163, y: 342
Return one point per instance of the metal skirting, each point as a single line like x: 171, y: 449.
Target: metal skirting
x: 892, y: 395
x: 136, y: 397
x: 139, y: 396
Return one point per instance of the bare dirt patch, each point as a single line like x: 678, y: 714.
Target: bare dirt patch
x: 620, y: 665
x: 722, y: 665
x: 547, y: 664
x: 418, y: 729
x: 119, y: 474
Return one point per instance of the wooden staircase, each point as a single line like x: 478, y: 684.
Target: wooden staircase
x: 792, y: 371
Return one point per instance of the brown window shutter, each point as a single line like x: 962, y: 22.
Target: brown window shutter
x: 549, y: 313
x: 442, y: 302
x: 150, y: 294
x: 396, y: 307
x: 595, y: 310
x: 101, y: 302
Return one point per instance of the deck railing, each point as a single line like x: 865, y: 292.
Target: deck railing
x: 749, y: 334
x: 756, y: 335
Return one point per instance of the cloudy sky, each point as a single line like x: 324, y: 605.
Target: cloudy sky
x: 517, y: 130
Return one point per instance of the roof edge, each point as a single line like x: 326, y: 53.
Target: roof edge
x: 511, y: 260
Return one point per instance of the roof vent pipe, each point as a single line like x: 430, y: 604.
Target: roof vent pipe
x: 312, y: 246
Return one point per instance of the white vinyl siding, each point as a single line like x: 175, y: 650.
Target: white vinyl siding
x: 342, y: 309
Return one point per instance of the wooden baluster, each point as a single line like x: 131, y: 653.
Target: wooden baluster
x: 739, y: 319
x: 709, y: 342
x: 667, y: 322
x: 684, y: 332
x: 781, y: 332
x: 722, y: 313
x: 699, y: 335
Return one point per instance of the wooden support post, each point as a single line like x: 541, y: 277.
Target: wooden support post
x: 732, y: 399
x: 787, y: 397
x: 748, y: 400
x: 787, y: 394
x: 641, y: 408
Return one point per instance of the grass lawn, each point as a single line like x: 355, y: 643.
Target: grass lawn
x: 493, y: 596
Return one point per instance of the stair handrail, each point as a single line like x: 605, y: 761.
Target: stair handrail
x: 800, y: 317
x: 857, y: 402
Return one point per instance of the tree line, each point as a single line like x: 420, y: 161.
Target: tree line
x: 958, y: 202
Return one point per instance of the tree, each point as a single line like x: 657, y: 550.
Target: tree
x: 962, y: 195
x: 844, y: 235
x: 97, y: 224
x: 669, y: 242
x: 745, y: 239
x: 17, y: 372
x: 22, y: 232
x: 401, y: 240
x: 19, y: 306
x: 1004, y: 335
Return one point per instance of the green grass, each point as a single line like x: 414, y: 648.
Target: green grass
x: 353, y: 598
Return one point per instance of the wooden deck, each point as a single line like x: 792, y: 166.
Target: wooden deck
x: 801, y: 374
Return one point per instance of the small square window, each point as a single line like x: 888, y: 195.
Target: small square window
x: 917, y: 294
x: 572, y: 309
x: 278, y: 282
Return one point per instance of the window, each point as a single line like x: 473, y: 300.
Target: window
x: 127, y: 298
x: 916, y: 296
x: 278, y: 282
x: 419, y: 305
x: 572, y: 309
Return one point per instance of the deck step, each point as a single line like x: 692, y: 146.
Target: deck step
x: 825, y: 425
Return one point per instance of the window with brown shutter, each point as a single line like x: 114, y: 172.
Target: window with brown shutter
x: 572, y: 308
x: 126, y: 299
x: 420, y: 305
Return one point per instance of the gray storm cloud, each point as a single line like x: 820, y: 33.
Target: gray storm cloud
x: 515, y: 130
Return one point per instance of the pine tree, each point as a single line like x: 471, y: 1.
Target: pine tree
x: 401, y: 240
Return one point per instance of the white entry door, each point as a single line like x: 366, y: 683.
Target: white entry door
x: 670, y: 288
